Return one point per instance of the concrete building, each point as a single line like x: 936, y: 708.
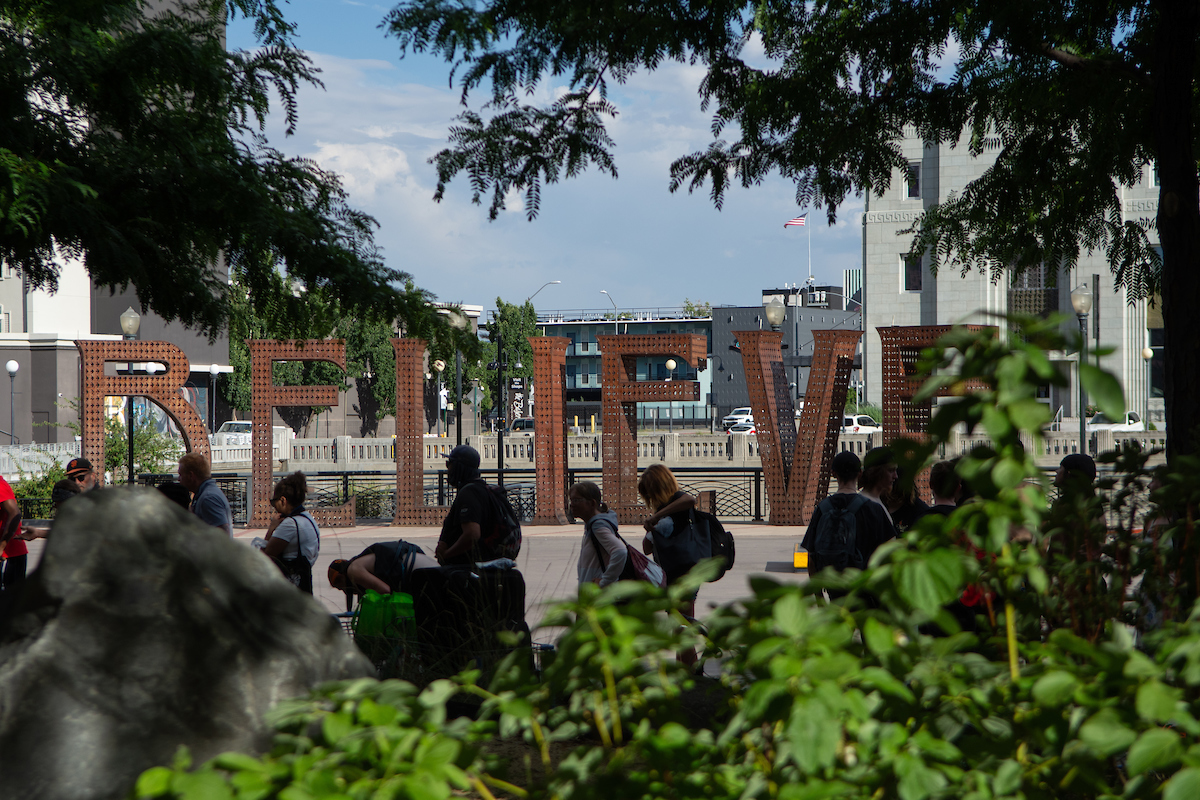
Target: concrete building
x: 807, y: 309
x: 900, y: 289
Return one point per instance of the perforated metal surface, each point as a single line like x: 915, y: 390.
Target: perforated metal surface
x: 774, y: 412
x: 901, y: 348
x: 620, y: 394
x: 162, y: 388
x: 410, y: 430
x: 550, y: 437
x: 824, y: 405
x: 266, y: 397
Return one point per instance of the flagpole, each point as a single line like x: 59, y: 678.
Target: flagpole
x: 809, y: 227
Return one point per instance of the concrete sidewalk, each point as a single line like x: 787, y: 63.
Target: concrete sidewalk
x: 548, y: 560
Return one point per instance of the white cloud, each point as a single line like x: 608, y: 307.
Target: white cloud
x: 377, y: 124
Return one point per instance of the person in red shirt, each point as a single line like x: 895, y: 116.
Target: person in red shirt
x: 15, y: 551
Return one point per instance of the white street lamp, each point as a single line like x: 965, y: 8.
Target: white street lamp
x: 1081, y: 301
x: 130, y: 322
x: 1148, y: 357
x: 614, y: 305
x: 775, y: 312
x: 12, y: 367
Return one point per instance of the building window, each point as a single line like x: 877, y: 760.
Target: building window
x: 914, y: 180
x: 1152, y: 173
x: 912, y: 273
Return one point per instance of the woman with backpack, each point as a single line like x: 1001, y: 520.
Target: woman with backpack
x: 603, y: 555
x: 669, y: 506
x: 293, y: 539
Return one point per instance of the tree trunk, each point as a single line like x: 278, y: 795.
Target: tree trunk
x: 1178, y: 217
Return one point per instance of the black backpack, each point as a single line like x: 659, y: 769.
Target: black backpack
x: 722, y: 542
x: 503, y: 540
x: 836, y: 541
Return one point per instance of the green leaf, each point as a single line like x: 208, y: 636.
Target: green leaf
x: 1157, y: 702
x: 1183, y: 785
x: 1007, y: 779
x: 815, y: 734
x: 917, y: 781
x: 1154, y: 749
x: 1103, y: 389
x: 789, y: 614
x: 336, y: 727
x: 153, y: 782
x: 928, y: 581
x: 879, y: 638
x: 1105, y: 734
x: 201, y: 786
x: 1007, y: 474
x: 1053, y: 689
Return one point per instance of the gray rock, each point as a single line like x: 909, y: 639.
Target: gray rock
x: 142, y: 630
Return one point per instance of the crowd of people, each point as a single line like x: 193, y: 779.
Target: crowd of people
x: 865, y: 510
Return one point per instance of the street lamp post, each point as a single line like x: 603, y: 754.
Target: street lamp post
x: 440, y: 366
x: 1081, y: 301
x: 12, y: 367
x: 1148, y: 357
x: 213, y: 371
x: 671, y: 364
x: 616, y: 330
x: 543, y: 286
x: 130, y: 322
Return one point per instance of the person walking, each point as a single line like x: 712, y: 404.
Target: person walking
x: 849, y: 525
x: 603, y: 554
x: 293, y: 539
x: 15, y: 553
x: 208, y: 501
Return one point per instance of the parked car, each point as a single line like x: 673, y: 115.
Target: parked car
x: 742, y: 427
x: 859, y: 423
x: 233, y: 432
x: 737, y: 417
x: 522, y: 425
x: 1132, y: 422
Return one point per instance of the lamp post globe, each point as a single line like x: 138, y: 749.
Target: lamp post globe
x: 12, y: 366
x: 775, y: 312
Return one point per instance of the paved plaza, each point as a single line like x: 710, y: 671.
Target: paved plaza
x: 548, y: 558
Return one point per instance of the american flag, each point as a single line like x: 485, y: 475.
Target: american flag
x: 797, y: 221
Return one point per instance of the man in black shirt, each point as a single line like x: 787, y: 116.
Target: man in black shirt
x: 871, y: 524
x: 471, y: 513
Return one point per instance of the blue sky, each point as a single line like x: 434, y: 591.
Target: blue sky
x: 381, y: 117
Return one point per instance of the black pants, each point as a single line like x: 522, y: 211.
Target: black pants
x: 14, y: 573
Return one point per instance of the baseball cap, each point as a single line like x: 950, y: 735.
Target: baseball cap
x: 78, y: 466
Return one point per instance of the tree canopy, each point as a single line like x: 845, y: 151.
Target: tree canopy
x: 1077, y: 97
x: 133, y: 140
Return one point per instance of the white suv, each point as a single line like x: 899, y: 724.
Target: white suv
x: 737, y: 417
x: 859, y: 423
x: 1132, y: 422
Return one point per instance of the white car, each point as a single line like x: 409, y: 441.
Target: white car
x: 743, y: 427
x: 1132, y: 422
x: 859, y: 423
x: 737, y: 417
x: 234, y: 432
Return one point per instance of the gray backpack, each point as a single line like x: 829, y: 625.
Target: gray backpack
x: 836, y: 541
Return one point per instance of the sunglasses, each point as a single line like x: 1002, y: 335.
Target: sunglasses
x: 79, y: 478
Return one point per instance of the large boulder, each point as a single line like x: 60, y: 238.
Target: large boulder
x: 142, y: 630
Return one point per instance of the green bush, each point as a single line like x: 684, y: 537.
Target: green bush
x: 878, y: 694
